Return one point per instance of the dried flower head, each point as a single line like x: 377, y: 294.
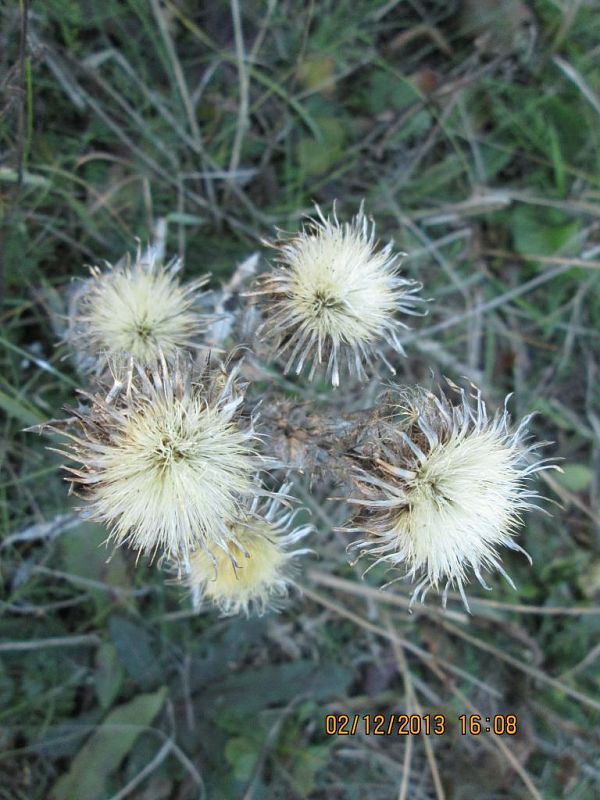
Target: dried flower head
x: 253, y: 571
x: 446, y: 490
x: 137, y: 310
x: 167, y: 463
x: 335, y: 296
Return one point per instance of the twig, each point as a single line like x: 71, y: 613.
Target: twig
x: 412, y: 700
x: 325, y: 579
x: 43, y: 530
x: 515, y: 662
x: 90, y: 583
x: 91, y: 639
x: 585, y: 263
x: 147, y: 770
x: 244, y: 87
x: 495, y: 739
x: 426, y: 658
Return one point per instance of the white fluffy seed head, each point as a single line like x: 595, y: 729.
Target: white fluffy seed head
x: 335, y: 297
x: 137, y: 310
x: 253, y: 572
x: 167, y: 464
x: 448, y: 490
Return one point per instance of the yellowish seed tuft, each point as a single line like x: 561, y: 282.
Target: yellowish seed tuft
x: 253, y: 571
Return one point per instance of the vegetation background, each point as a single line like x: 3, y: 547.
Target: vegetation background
x: 472, y: 130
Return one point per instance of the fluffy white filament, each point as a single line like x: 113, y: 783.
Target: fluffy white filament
x: 450, y: 492
x: 335, y: 297
x: 169, y: 464
x: 137, y: 310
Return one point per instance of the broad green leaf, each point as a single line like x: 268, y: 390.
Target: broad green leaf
x: 307, y: 764
x: 108, y: 674
x: 103, y: 752
x: 589, y: 580
x: 316, y: 72
x: 84, y: 555
x: 388, y: 92
x: 134, y: 648
x: 253, y: 690
x: 541, y: 231
x: 242, y: 752
x: 317, y: 157
x: 575, y: 477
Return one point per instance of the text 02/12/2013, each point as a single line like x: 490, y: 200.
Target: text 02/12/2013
x: 415, y: 724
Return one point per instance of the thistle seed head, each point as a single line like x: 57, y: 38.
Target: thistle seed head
x: 446, y: 490
x: 167, y: 463
x: 137, y: 310
x: 335, y: 297
x: 253, y: 572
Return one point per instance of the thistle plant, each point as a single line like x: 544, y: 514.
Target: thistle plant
x: 175, y: 456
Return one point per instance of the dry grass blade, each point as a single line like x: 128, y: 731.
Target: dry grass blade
x: 440, y: 619
x: 413, y: 702
x: 422, y: 655
x: 490, y: 305
x: 85, y: 639
x: 469, y: 132
x: 150, y: 767
x: 393, y: 598
x: 244, y: 88
x: 515, y: 662
x: 497, y: 741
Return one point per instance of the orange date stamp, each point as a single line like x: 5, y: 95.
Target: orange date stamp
x: 416, y: 724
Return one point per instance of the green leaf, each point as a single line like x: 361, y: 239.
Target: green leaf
x: 575, y: 477
x: 317, y: 157
x: 315, y: 70
x: 7, y: 686
x: 589, y: 580
x: 242, y: 752
x: 83, y: 554
x: 108, y: 674
x: 389, y: 92
x: 134, y: 648
x: 541, y: 231
x: 253, y: 690
x: 308, y: 763
x: 103, y: 752
x: 20, y: 409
